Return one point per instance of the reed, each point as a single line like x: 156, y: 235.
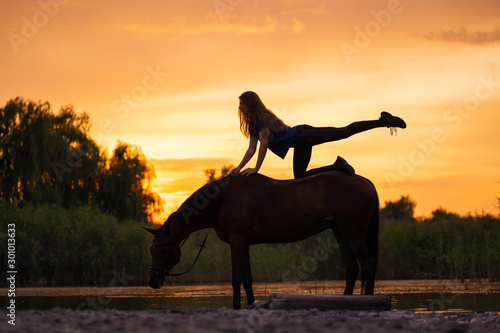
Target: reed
x: 443, y: 247
x: 82, y: 246
x: 79, y: 246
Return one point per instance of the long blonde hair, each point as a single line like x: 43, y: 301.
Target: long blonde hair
x: 257, y: 110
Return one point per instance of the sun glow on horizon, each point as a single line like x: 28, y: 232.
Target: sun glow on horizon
x: 166, y: 77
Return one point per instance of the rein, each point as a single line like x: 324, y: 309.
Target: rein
x: 163, y: 273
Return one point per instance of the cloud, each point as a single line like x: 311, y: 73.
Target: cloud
x: 461, y: 35
x: 182, y: 26
x: 298, y: 26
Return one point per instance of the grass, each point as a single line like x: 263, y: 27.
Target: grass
x: 81, y: 246
x: 449, y: 247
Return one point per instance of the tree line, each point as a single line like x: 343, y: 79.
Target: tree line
x: 50, y: 158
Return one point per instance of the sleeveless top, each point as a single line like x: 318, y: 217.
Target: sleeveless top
x: 279, y: 142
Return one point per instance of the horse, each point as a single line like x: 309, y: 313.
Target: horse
x: 255, y: 209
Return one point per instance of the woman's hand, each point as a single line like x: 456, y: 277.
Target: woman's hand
x: 235, y: 171
x: 248, y: 156
x: 249, y: 171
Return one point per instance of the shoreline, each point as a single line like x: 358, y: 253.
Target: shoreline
x: 413, y: 296
x: 266, y: 288
x: 255, y: 320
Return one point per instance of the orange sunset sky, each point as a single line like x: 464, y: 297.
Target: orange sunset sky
x: 166, y: 76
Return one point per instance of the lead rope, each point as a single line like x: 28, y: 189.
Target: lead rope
x: 195, y: 260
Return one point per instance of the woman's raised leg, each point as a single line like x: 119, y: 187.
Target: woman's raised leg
x: 309, y: 136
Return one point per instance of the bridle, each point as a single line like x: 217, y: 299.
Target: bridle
x: 162, y: 273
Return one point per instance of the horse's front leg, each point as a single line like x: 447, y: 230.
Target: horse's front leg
x: 240, y: 257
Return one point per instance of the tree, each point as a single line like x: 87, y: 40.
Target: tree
x: 27, y: 139
x: 126, y: 185
x: 78, y: 161
x: 404, y: 208
x: 441, y: 214
x: 211, y: 173
x: 51, y: 158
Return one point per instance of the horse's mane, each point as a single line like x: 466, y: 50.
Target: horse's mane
x: 204, y: 202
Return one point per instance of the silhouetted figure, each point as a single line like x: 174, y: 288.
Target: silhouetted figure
x: 258, y: 123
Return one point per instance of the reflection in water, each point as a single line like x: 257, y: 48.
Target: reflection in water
x: 439, y: 302
x: 121, y: 303
x: 413, y: 302
x: 410, y: 295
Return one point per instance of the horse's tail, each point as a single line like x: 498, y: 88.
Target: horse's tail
x: 373, y: 231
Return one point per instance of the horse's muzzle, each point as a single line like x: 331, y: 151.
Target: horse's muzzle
x: 155, y: 283
x: 156, y: 277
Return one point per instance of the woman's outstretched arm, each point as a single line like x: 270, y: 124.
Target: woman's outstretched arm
x: 252, y: 148
x: 263, y: 138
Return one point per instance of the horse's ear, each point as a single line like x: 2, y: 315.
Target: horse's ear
x: 151, y: 230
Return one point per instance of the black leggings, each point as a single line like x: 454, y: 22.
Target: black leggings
x: 309, y: 136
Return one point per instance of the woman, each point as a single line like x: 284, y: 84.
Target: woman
x: 260, y: 124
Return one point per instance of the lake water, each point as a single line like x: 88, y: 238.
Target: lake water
x: 418, y: 296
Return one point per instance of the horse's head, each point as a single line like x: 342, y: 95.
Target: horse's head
x: 166, y: 253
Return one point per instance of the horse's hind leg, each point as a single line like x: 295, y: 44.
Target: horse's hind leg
x: 368, y: 266
x: 351, y: 268
x: 369, y: 273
